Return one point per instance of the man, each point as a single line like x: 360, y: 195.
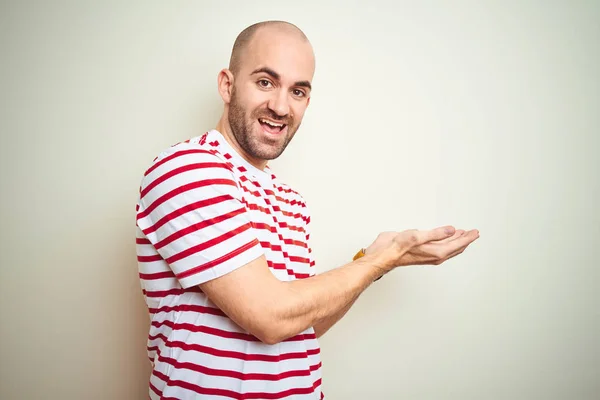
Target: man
x: 222, y: 244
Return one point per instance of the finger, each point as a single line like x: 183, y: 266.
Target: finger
x: 440, y: 233
x: 457, y: 246
x: 466, y: 239
x: 452, y: 255
x: 443, y: 249
x: 456, y: 235
x: 460, y: 251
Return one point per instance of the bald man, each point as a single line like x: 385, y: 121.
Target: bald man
x: 236, y: 305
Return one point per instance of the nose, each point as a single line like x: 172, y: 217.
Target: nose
x: 279, y: 103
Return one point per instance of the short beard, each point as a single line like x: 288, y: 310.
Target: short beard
x: 242, y: 131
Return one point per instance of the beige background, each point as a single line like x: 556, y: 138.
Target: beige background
x: 481, y: 116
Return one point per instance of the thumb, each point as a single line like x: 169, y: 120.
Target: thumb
x: 440, y: 233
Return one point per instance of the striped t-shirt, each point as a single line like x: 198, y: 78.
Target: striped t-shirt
x: 203, y: 212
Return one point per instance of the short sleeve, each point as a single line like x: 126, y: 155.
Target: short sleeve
x: 191, y: 211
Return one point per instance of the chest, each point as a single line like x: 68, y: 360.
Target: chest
x: 278, y: 218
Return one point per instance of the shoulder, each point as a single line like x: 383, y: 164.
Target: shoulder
x: 191, y: 150
x: 188, y: 169
x: 191, y: 154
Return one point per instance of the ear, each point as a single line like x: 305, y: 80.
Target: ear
x: 307, y: 102
x: 225, y: 84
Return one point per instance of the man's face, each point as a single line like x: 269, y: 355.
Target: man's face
x: 270, y: 93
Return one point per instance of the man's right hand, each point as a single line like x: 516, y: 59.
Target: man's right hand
x: 273, y: 310
x: 414, y: 247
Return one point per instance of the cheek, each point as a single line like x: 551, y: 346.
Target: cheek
x: 299, y: 112
x: 254, y: 98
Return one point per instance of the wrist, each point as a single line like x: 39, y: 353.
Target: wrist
x: 380, y: 271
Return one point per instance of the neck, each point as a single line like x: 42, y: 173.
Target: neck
x: 225, y: 129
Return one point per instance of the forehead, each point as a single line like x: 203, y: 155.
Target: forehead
x: 288, y: 54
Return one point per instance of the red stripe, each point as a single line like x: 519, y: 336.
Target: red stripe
x: 198, y: 226
x: 178, y: 154
x: 155, y: 389
x: 219, y: 260
x: 225, y: 334
x: 256, y: 207
x: 154, y: 257
x: 234, y: 354
x: 291, y: 242
x: 315, y: 367
x: 208, y: 244
x: 283, y: 267
x: 290, y: 227
x: 206, y: 329
x: 286, y: 201
x: 170, y: 292
x: 262, y: 225
x: 289, y: 214
x: 157, y: 275
x: 153, y: 348
x: 189, y: 307
x: 185, y: 209
x: 250, y: 376
x: 274, y: 247
x: 252, y: 192
x: 142, y: 241
x: 183, y: 189
x: 180, y: 170
x: 297, y: 259
x: 203, y: 138
x: 236, y: 395
x: 287, y: 190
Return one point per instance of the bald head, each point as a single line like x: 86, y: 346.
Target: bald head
x: 266, y: 89
x: 244, y: 39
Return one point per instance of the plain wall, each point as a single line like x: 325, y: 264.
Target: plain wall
x: 478, y: 114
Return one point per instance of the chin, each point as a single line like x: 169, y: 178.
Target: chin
x: 269, y: 152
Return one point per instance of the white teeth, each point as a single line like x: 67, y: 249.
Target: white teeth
x: 273, y: 124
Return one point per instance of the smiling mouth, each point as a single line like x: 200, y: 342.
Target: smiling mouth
x: 271, y: 126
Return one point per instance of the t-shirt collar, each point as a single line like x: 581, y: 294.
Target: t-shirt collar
x: 237, y: 159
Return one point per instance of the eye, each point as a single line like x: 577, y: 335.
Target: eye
x: 298, y: 93
x: 263, y: 83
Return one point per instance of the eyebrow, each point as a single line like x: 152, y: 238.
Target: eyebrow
x: 276, y: 76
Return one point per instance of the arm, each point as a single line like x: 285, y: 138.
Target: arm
x: 273, y: 310
x: 325, y: 324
